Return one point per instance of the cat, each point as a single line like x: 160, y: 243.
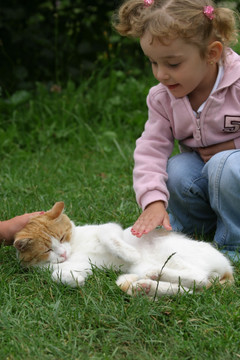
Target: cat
x: 159, y: 263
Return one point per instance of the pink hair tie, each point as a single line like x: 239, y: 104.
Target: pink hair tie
x: 208, y: 12
x: 148, y: 2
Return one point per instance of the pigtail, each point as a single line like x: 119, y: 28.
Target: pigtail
x: 130, y: 19
x: 224, y: 25
x: 127, y: 21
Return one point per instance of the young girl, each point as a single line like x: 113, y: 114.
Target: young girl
x: 197, y: 102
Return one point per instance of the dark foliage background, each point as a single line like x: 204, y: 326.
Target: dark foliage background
x: 56, y: 41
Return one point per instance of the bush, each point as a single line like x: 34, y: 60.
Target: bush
x: 51, y: 40
x: 56, y: 41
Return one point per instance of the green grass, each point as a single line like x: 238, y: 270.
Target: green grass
x: 77, y: 146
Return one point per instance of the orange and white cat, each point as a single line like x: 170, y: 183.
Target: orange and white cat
x: 159, y: 263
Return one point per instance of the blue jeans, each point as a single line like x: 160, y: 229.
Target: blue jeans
x: 206, y: 197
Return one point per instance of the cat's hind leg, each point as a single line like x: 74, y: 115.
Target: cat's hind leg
x: 188, y: 277
x: 155, y: 288
x: 125, y: 281
x: 132, y: 285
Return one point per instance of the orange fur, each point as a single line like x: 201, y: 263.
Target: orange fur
x: 227, y: 278
x: 34, y: 240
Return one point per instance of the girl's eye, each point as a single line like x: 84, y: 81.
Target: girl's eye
x: 152, y: 62
x: 174, y: 65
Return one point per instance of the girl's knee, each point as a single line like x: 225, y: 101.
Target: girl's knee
x: 175, y: 170
x: 223, y: 168
x: 183, y: 168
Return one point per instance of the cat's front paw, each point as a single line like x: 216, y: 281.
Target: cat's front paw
x: 66, y: 277
x: 124, y: 281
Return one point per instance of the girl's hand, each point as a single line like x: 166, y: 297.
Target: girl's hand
x: 10, y: 227
x: 207, y: 152
x: 154, y: 215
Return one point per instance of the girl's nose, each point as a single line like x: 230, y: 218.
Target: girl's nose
x: 162, y: 75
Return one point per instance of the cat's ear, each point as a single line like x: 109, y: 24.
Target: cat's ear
x: 56, y: 210
x: 21, y: 244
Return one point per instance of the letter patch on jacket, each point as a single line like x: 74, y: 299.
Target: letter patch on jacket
x: 231, y: 123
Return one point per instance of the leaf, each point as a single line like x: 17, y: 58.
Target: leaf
x: 19, y: 97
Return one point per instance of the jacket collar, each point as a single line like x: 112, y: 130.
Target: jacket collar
x: 231, y: 69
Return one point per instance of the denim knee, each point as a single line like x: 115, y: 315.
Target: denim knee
x: 223, y: 172
x: 189, y: 206
x: 182, y: 170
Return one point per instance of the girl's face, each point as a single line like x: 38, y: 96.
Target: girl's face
x: 179, y: 66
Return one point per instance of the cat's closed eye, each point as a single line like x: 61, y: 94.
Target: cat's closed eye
x: 49, y: 250
x: 62, y: 238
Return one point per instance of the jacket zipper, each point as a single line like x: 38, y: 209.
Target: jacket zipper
x: 198, y: 130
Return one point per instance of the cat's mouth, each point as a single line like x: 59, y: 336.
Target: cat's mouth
x: 59, y: 261
x: 62, y: 258
x: 59, y: 258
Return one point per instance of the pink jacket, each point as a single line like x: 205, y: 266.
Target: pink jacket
x: 173, y: 118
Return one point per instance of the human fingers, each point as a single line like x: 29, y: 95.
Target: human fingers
x: 36, y: 213
x: 22, y: 220
x: 145, y: 224
x: 141, y: 226
x: 166, y: 223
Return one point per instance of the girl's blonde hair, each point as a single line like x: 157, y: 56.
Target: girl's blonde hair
x: 170, y: 19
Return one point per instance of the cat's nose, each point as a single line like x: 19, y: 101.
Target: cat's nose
x: 64, y: 255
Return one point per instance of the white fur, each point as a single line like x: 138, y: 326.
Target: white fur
x: 60, y: 251
x: 155, y: 263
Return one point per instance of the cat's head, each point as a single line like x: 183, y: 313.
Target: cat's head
x: 45, y: 238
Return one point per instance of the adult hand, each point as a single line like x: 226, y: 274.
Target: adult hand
x: 9, y: 228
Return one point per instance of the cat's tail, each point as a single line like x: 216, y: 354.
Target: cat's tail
x: 227, y: 279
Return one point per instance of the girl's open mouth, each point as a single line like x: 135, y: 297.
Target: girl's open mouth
x: 172, y: 87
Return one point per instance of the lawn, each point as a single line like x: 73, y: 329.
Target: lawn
x: 76, y: 146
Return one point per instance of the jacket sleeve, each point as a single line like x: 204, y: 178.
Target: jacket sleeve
x: 151, y: 154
